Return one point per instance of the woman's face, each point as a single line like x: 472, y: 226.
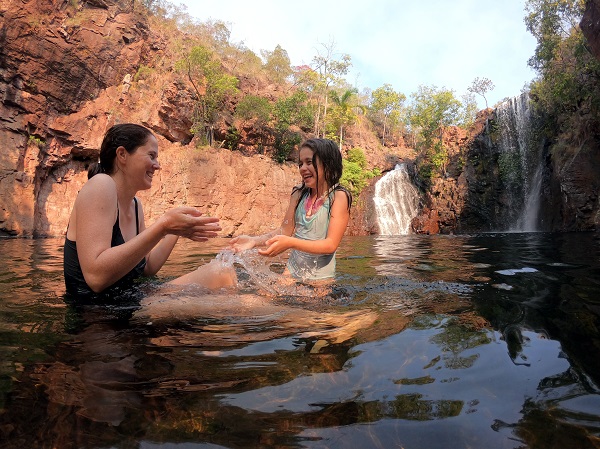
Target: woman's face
x: 143, y: 163
x: 309, y: 168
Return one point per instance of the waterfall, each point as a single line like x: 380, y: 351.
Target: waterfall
x: 396, y: 202
x: 520, y: 164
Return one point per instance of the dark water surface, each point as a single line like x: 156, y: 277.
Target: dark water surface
x: 486, y: 341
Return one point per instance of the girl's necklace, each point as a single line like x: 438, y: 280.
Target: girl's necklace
x: 314, y: 206
x: 317, y: 202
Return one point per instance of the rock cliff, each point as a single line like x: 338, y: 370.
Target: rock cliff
x: 68, y: 71
x: 590, y: 25
x: 66, y: 74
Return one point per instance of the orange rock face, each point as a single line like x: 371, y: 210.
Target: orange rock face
x: 68, y: 73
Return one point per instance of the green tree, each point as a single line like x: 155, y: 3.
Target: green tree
x: 343, y: 112
x: 567, y: 88
x: 330, y: 71
x: 481, y: 86
x: 277, y: 64
x: 288, y: 112
x: 355, y: 173
x: 259, y: 109
x: 433, y: 109
x: 469, y: 110
x: 211, y: 85
x: 254, y: 107
x: 385, y: 101
x: 243, y: 60
x: 550, y: 22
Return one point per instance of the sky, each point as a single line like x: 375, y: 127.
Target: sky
x: 442, y: 43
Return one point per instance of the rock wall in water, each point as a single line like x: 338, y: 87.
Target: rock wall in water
x: 507, y: 174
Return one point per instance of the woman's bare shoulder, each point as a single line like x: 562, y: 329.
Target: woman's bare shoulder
x: 98, y: 188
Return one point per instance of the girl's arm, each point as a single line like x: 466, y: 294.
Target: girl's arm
x: 96, y: 213
x: 244, y: 242
x: 338, y: 222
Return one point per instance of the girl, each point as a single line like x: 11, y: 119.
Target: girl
x: 316, y: 217
x: 107, y: 243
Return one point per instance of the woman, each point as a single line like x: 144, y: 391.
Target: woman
x: 107, y: 244
x: 316, y: 218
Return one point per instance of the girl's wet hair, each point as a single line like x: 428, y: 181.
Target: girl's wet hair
x: 127, y: 135
x: 329, y: 154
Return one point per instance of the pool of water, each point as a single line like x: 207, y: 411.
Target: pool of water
x: 430, y: 342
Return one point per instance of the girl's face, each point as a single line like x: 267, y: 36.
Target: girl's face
x: 309, y: 168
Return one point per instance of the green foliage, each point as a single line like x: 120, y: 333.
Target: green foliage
x: 468, y: 111
x: 386, y: 107
x: 232, y: 138
x: 432, y: 109
x: 293, y: 110
x: 242, y: 60
x: 355, y: 174
x: 285, y: 141
x: 425, y: 171
x: 342, y: 113
x: 509, y: 166
x: 211, y: 84
x: 357, y: 156
x: 386, y: 100
x: 277, y: 64
x: 254, y: 107
x: 567, y: 88
x: 143, y: 73
x: 36, y: 141
x: 438, y: 156
x: 327, y: 71
x: 551, y: 21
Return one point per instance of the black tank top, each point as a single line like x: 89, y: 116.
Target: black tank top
x: 74, y: 280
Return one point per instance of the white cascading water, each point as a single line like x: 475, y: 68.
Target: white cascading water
x: 518, y: 143
x: 396, y: 202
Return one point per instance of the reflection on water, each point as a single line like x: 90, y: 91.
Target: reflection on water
x: 422, y: 341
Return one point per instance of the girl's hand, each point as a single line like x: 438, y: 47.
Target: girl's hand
x: 242, y: 243
x: 276, y: 245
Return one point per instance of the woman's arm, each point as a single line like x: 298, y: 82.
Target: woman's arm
x: 96, y: 213
x: 161, y: 252
x: 338, y: 222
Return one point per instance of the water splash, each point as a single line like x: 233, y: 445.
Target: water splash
x: 264, y: 273
x: 396, y: 202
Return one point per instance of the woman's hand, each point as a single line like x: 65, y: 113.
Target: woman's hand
x: 188, y: 222
x: 242, y: 243
x: 276, y: 245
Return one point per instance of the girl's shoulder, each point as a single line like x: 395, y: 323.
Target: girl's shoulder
x: 342, y: 194
x: 298, y: 191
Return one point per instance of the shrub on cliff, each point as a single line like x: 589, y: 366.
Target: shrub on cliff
x: 567, y: 88
x: 356, y: 174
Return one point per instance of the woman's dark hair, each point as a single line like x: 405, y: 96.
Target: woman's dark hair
x: 329, y: 154
x: 127, y: 135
